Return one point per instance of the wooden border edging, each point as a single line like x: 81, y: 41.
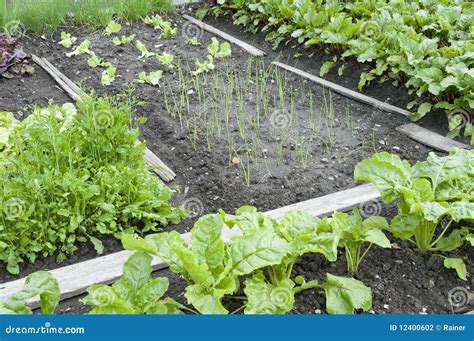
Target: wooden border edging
x: 247, y: 47
x: 158, y: 166
x: 429, y: 138
x: 75, y: 279
x: 344, y: 91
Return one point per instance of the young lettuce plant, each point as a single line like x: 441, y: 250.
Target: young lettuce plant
x: 136, y: 292
x: 358, y: 235
x: 159, y: 23
x: 204, y: 67
x: 112, y: 27
x: 142, y: 48
x: 108, y: 75
x: 40, y: 283
x: 211, y: 267
x: 431, y: 196
x: 153, y: 78
x: 218, y: 50
x: 67, y: 40
x: 81, y: 49
x: 123, y: 40
x: 274, y: 293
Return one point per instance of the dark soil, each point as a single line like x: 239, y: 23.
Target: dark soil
x: 206, y: 179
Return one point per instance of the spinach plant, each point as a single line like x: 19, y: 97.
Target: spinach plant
x: 136, y: 292
x: 40, y: 283
x: 432, y: 195
x: 358, y: 235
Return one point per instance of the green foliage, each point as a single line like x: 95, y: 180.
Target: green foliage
x: 108, y: 75
x: 219, y: 50
x: 153, y: 78
x: 83, y: 48
x: 426, y: 45
x: 203, y: 67
x: 431, y: 196
x: 112, y: 27
x: 39, y: 284
x: 143, y: 49
x: 358, y: 235
x: 123, y: 40
x: 136, y: 292
x: 167, y: 31
x: 69, y: 173
x: 67, y: 40
x: 212, y: 268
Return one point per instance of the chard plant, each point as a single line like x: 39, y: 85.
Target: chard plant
x: 433, y: 196
x: 136, y: 292
x: 358, y: 235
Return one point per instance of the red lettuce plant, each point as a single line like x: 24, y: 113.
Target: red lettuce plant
x: 10, y: 53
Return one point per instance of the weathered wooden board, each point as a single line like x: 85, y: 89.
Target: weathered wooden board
x: 158, y: 166
x: 75, y: 279
x: 429, y: 138
x: 344, y: 91
x: 247, y: 47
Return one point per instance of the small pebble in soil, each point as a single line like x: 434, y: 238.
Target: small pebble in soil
x: 331, y: 178
x: 382, y: 142
x: 398, y: 261
x: 324, y: 160
x: 386, y: 306
x: 395, y: 148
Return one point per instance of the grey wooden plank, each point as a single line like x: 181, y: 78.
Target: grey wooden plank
x: 344, y: 91
x: 429, y: 138
x: 75, y: 279
x: 247, y: 47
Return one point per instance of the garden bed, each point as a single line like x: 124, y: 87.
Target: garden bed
x: 275, y: 174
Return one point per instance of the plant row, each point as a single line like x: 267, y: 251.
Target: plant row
x: 435, y: 213
x: 425, y: 45
x: 71, y: 174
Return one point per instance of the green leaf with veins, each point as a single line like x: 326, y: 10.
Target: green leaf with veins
x: 458, y: 265
x: 345, y: 295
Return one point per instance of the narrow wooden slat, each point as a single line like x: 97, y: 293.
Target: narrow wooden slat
x: 247, y: 47
x: 158, y: 166
x: 344, y: 91
x: 75, y: 279
x: 429, y: 138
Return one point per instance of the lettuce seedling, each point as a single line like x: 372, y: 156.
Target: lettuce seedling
x: 108, y: 75
x: 40, y: 283
x: 219, y: 51
x: 67, y: 40
x: 206, y: 66
x: 142, y: 48
x: 136, y: 292
x: 81, y: 49
x: 165, y: 59
x: 303, y: 234
x: 431, y: 196
x: 123, y: 40
x: 358, y: 235
x: 159, y: 23
x: 153, y: 78
x: 210, y: 267
x: 112, y: 27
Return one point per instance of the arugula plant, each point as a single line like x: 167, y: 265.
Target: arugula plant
x: 136, y: 292
x: 358, y: 235
x: 123, y: 40
x: 39, y: 284
x: 67, y: 40
x: 71, y: 174
x: 274, y: 292
x: 431, y: 195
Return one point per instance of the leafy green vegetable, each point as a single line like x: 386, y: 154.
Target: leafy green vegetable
x: 431, y: 196
x: 135, y: 293
x: 40, y: 283
x: 167, y: 31
x: 142, y: 48
x: 458, y: 265
x: 94, y: 61
x: 153, y: 78
x: 358, y: 235
x: 81, y: 49
x: 67, y: 40
x: 69, y: 173
x: 112, y: 27
x: 123, y: 40
x: 207, y: 66
x: 218, y: 50
x: 166, y: 59
x: 108, y: 75
x: 193, y: 41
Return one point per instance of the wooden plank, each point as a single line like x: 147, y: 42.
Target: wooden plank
x: 158, y: 166
x: 247, y: 47
x: 344, y: 91
x: 75, y: 279
x: 429, y: 138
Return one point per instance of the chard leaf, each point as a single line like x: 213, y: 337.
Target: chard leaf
x: 296, y: 223
x: 150, y: 293
x: 198, y: 296
x: 266, y: 298
x: 254, y: 251
x: 462, y: 211
x: 377, y: 237
x: 470, y: 239
x: 325, y: 68
x: 344, y: 295
x: 98, y: 246
x: 403, y: 226
x: 458, y: 265
x: 455, y: 240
